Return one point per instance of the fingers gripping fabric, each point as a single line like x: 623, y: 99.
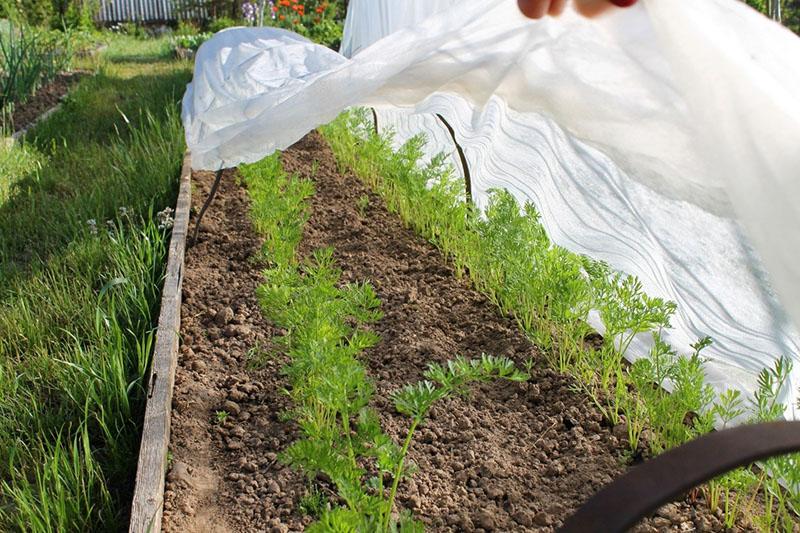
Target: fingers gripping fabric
x: 661, y: 138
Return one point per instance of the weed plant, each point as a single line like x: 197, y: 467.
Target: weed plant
x: 509, y: 257
x: 363, y: 204
x: 326, y: 325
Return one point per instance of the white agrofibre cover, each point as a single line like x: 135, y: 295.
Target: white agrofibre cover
x: 663, y: 139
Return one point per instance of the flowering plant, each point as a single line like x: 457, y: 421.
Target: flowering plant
x: 315, y: 19
x: 303, y: 12
x: 249, y: 10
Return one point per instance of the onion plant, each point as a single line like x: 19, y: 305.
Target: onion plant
x: 30, y: 58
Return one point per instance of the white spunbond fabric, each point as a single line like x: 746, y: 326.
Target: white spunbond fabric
x: 369, y: 21
x: 679, y: 252
x: 647, y: 138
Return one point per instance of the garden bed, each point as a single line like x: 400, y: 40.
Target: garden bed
x: 510, y: 457
x: 46, y: 99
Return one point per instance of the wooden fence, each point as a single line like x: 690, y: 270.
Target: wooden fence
x: 150, y: 11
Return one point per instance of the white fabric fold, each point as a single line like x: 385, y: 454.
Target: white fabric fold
x: 664, y: 138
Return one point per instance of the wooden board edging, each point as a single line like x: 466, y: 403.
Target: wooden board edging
x: 19, y: 134
x: 148, y: 496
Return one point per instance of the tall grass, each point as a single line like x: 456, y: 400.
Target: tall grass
x: 509, y: 257
x: 81, y: 265
x: 15, y: 163
x: 74, y: 344
x: 54, y: 202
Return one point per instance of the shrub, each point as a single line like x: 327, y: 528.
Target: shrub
x: 56, y: 14
x: 221, y: 23
x: 188, y: 37
x: 36, y: 12
x: 78, y: 14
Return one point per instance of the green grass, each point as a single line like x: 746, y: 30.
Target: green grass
x: 79, y: 301
x: 509, y: 257
x: 123, y: 122
x: 15, y: 163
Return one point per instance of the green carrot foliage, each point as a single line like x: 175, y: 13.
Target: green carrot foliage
x: 327, y: 330
x: 508, y: 256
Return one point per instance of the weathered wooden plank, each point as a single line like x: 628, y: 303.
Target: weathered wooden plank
x: 148, y: 498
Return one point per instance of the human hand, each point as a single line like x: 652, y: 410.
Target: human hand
x: 538, y: 8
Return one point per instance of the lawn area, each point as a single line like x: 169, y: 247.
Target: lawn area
x: 82, y: 254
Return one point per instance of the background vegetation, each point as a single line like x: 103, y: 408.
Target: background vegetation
x: 30, y: 58
x: 56, y: 14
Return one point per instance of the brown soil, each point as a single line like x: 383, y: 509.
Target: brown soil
x: 511, y: 457
x: 45, y: 99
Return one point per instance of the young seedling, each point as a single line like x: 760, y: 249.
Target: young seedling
x: 221, y: 416
x: 415, y: 401
x: 257, y: 356
x: 362, y: 204
x: 528, y: 364
x: 367, y: 505
x: 314, y: 502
